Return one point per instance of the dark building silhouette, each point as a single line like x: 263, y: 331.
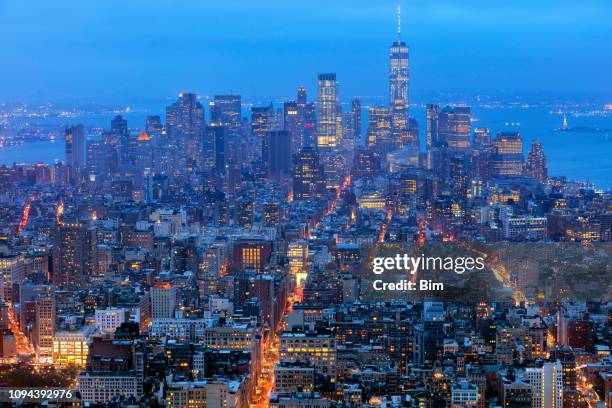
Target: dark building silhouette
x: 536, y: 166
x: 277, y: 158
x: 308, y: 181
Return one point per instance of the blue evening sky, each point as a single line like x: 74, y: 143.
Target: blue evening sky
x: 111, y: 50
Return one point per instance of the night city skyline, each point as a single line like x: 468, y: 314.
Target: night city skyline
x: 315, y: 205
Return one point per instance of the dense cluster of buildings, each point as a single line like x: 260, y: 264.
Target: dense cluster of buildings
x: 213, y: 259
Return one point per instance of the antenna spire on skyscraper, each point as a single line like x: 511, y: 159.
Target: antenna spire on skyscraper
x: 399, y: 22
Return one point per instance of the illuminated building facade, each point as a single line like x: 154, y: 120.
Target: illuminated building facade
x: 482, y: 138
x: 251, y: 254
x: 11, y: 272
x: 372, y: 200
x: 547, y: 382
x: 379, y: 129
x: 507, y: 155
x: 327, y: 111
x: 526, y: 227
x: 44, y: 326
x: 209, y: 393
x: 293, y: 376
x: 71, y: 348
x: 334, y: 168
x: 261, y: 121
x: 314, y: 348
x: 297, y: 252
x: 230, y: 337
x: 163, y: 300
x: 454, y: 127
x: 398, y: 89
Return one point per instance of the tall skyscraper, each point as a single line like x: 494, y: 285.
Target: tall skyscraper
x: 310, y: 125
x: 351, y: 125
x: 356, y: 116
x: 73, y: 254
x: 507, y: 155
x: 547, y: 382
x: 98, y: 157
x: 44, y: 326
x: 301, y: 96
x: 329, y: 130
x: 11, y: 274
x: 537, y: 166
x: 571, y: 396
x: 301, y: 119
x: 215, y: 149
x: 155, y: 129
x: 74, y: 137
x: 143, y: 153
x: 226, y: 110
x: 432, y: 117
x: 454, y: 127
x: 4, y: 316
x: 293, y: 124
x: 262, y: 121
x: 119, y: 138
x: 163, y: 300
x: 308, y: 182
x: 277, y: 158
x: 327, y: 111
x: 119, y: 126
x: 335, y: 168
x: 482, y: 138
x: 459, y: 175
x: 185, y: 117
x: 379, y: 129
x: 481, y: 154
x: 398, y: 88
x: 185, y: 126
x: 306, y: 120
x: 348, y: 133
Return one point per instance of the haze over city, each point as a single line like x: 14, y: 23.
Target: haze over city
x: 116, y: 51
